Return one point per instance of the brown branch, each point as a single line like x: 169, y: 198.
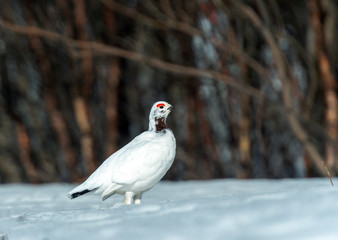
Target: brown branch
x: 280, y: 62
x: 235, y: 50
x: 112, y: 105
x: 328, y: 79
x: 154, y: 23
x: 87, y: 62
x: 134, y: 56
x: 310, y: 66
x: 167, y: 9
x: 24, y: 152
x: 188, y: 29
x: 80, y: 105
x: 328, y: 173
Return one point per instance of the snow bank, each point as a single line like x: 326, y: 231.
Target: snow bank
x: 218, y: 209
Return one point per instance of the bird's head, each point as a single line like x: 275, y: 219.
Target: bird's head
x: 158, y: 116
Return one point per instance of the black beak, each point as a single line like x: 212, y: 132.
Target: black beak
x: 170, y: 108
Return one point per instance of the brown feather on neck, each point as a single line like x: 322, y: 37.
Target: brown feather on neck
x: 160, y: 124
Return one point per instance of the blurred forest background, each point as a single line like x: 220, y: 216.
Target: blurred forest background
x: 252, y: 82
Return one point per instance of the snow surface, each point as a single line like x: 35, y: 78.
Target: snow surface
x: 217, y: 209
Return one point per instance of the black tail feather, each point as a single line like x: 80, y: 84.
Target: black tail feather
x: 77, y: 194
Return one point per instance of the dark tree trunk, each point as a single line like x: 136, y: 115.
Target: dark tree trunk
x: 253, y: 84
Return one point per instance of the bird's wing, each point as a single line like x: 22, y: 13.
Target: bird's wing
x: 139, y: 159
x: 103, y: 175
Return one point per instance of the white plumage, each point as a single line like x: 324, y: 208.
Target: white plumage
x: 139, y: 165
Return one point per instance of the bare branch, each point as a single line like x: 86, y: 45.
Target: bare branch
x: 135, y: 56
x: 297, y: 128
x: 188, y: 29
x: 154, y: 23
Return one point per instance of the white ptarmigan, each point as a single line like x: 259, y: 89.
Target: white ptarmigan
x: 139, y: 165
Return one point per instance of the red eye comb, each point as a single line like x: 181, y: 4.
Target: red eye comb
x: 160, y: 104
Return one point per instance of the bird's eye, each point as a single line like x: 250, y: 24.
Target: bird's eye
x: 160, y: 105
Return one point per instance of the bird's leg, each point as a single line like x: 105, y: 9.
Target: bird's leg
x: 128, y: 198
x: 137, y: 198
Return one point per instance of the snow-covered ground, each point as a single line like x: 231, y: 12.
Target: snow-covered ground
x: 218, y: 209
